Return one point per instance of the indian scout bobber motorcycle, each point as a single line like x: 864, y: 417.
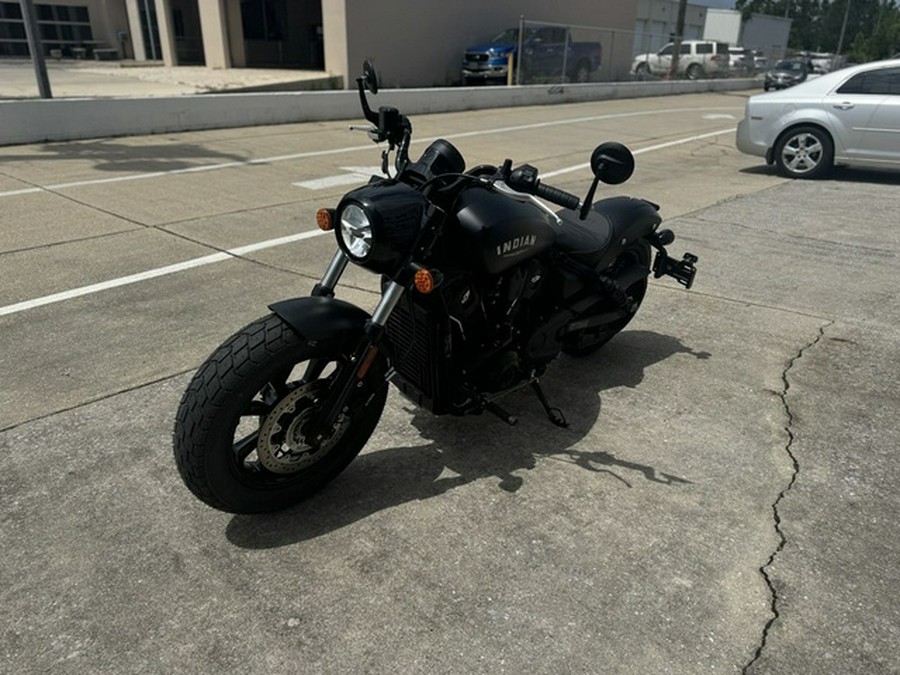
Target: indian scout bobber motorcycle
x: 482, y: 286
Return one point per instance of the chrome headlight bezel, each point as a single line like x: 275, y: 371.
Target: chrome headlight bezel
x: 356, y: 231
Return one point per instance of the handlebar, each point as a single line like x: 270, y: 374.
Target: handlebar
x: 560, y: 197
x: 525, y: 179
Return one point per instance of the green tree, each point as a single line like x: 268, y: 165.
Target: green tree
x: 872, y: 30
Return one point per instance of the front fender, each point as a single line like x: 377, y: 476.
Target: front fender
x: 320, y: 318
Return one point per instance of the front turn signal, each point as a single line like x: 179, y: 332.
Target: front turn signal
x: 325, y: 219
x: 424, y: 281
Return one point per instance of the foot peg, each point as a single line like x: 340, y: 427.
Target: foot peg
x: 683, y: 271
x: 495, y: 409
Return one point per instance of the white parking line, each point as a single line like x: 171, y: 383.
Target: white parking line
x: 336, y: 151
x: 358, y: 174
x: 231, y: 254
x: 669, y: 144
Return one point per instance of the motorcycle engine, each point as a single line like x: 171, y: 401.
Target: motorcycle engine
x: 494, y: 327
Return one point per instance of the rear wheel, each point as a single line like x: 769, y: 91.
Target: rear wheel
x: 590, y: 340
x: 695, y: 72
x: 241, y: 436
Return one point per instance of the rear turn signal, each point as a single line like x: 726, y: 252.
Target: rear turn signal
x: 424, y: 281
x: 325, y: 219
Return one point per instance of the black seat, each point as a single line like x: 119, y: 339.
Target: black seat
x: 611, y: 225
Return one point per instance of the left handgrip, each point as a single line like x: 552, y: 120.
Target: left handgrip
x: 525, y: 179
x: 565, y: 199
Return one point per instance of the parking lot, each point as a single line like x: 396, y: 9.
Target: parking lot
x: 724, y: 500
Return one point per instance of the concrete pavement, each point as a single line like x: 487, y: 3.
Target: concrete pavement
x: 106, y: 79
x: 724, y: 500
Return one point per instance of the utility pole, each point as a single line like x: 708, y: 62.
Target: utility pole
x: 34, y: 46
x: 679, y: 33
x: 843, y: 29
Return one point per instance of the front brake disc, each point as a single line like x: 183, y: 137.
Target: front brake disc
x: 283, y: 446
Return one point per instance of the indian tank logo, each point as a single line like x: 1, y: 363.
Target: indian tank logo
x: 516, y: 246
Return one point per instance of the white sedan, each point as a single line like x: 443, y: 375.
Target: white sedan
x: 849, y: 117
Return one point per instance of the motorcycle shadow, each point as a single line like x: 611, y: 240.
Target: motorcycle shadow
x: 460, y: 450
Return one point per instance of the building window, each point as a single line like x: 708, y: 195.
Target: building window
x: 61, y: 27
x: 261, y: 21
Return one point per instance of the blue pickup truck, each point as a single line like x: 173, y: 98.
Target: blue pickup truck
x: 546, y: 51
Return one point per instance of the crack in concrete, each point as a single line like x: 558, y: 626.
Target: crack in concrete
x: 782, y: 539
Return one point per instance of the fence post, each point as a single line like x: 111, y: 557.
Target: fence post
x: 519, y: 55
x: 33, y: 34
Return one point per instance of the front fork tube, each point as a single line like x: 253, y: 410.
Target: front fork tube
x: 325, y: 288
x: 353, y: 376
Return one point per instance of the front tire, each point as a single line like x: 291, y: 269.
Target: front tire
x: 804, y: 152
x: 583, y: 72
x: 239, y: 438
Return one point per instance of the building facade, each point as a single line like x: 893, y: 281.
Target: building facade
x: 68, y: 28
x: 413, y: 42
x: 656, y: 21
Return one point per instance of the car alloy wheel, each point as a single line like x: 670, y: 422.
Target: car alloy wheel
x: 804, y: 152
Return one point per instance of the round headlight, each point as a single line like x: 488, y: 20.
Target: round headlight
x: 356, y: 231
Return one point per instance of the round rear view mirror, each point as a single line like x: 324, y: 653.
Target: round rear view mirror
x: 612, y: 163
x: 370, y: 76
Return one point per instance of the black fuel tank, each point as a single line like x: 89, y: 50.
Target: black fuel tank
x: 496, y: 232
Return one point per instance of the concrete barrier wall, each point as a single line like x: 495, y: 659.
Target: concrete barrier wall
x: 36, y: 121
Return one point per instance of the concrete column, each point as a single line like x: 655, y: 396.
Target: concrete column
x: 135, y: 34
x: 235, y: 34
x: 334, y: 28
x: 166, y: 34
x: 214, y: 26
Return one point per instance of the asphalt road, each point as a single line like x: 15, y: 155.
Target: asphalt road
x: 724, y: 500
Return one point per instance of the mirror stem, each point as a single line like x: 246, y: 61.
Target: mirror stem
x: 589, y: 199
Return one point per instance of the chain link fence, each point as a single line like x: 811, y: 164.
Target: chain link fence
x: 552, y: 53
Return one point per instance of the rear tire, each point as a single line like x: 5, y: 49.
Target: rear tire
x: 590, y: 340
x: 695, y: 72
x: 239, y: 438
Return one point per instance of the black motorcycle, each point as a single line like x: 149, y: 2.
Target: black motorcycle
x: 482, y: 287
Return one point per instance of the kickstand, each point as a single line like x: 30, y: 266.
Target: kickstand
x: 555, y: 415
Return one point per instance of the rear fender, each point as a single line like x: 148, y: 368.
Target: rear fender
x: 632, y: 218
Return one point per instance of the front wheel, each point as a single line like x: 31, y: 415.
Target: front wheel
x: 240, y: 440
x: 804, y: 152
x: 583, y: 72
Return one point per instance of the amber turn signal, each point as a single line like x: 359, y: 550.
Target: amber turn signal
x: 424, y: 281
x: 325, y: 219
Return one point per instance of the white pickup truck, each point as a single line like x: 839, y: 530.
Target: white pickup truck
x: 697, y: 59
